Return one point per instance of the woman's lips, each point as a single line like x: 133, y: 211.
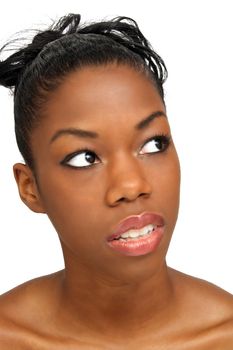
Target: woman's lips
x: 135, y: 222
x: 143, y: 244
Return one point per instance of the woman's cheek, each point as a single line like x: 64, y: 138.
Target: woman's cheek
x: 67, y: 203
x: 167, y: 187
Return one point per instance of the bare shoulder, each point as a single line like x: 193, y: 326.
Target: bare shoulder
x: 22, y: 311
x: 210, y: 309
x: 206, y: 294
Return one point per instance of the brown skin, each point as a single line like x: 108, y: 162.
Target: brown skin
x: 104, y: 299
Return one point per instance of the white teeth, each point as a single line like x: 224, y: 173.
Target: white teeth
x: 136, y: 233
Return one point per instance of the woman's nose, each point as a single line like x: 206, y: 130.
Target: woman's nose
x: 127, y: 182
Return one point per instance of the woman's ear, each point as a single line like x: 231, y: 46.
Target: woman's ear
x: 28, y: 189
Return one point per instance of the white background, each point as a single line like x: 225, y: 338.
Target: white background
x: 195, y: 38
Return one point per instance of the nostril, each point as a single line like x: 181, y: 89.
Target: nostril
x: 121, y: 199
x: 143, y: 194
x: 130, y: 198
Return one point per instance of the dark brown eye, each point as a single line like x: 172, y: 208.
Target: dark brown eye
x: 90, y: 157
x: 80, y: 159
x: 156, y: 144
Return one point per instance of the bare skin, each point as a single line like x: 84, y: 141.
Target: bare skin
x: 104, y: 299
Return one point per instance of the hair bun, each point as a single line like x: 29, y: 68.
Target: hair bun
x: 13, y: 67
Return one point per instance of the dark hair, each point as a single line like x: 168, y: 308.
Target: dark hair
x: 38, y: 68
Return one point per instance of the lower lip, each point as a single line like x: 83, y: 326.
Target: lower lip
x: 140, y: 246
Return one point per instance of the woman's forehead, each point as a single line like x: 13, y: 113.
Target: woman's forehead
x: 94, y: 93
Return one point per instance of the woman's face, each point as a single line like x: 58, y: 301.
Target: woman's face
x: 86, y: 194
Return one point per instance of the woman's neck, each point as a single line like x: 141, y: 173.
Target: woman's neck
x: 115, y: 307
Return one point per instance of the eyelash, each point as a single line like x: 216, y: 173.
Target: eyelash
x: 164, y: 138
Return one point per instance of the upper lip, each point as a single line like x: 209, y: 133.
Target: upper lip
x: 136, y: 222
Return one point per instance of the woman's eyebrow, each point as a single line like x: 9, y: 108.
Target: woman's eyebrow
x: 145, y: 122
x: 92, y: 134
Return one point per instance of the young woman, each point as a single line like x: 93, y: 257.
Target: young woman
x: 91, y: 124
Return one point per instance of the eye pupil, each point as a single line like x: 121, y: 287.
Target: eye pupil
x: 90, y: 157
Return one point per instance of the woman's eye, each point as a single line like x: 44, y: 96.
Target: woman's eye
x: 86, y: 158
x: 156, y: 144
x: 80, y: 159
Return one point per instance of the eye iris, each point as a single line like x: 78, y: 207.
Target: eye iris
x: 89, y: 157
x: 159, y: 144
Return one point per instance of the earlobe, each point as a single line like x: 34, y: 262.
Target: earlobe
x: 27, y: 187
